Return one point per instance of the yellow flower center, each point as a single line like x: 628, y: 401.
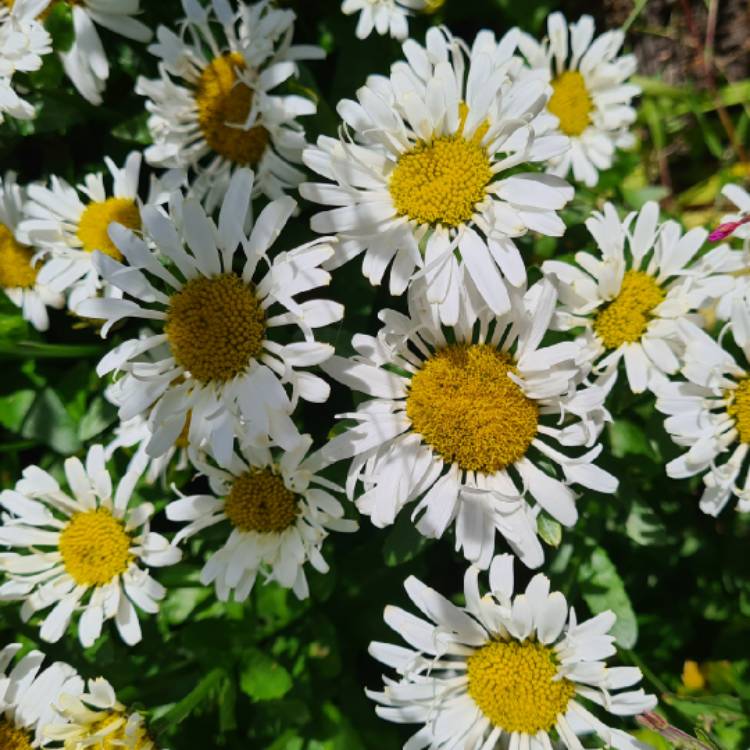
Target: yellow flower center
x: 13, y: 738
x: 15, y: 263
x: 571, y: 102
x: 513, y: 684
x: 224, y: 103
x: 739, y: 409
x: 469, y: 411
x: 624, y: 320
x: 215, y: 327
x: 95, y: 221
x: 95, y: 547
x: 110, y: 733
x: 260, y: 501
x: 441, y: 181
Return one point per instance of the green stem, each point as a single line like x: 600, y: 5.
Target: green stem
x: 39, y: 350
x: 639, y: 6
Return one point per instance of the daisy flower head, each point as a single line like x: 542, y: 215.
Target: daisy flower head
x: 23, y: 43
x: 277, y: 511
x: 460, y: 418
x: 19, y: 269
x: 709, y: 414
x: 69, y: 223
x: 81, y: 550
x: 384, y: 16
x: 216, y: 325
x: 418, y: 176
x: 212, y: 107
x: 28, y: 697
x: 96, y: 720
x: 505, y: 671
x: 629, y: 298
x: 591, y: 96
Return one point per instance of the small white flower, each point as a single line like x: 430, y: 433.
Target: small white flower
x: 710, y: 414
x: 19, y: 269
x: 68, y: 224
x: 221, y: 363
x: 81, y: 551
x: 383, y: 16
x: 29, y: 696
x: 419, y: 173
x: 458, y: 421
x: 98, y: 720
x: 85, y: 63
x: 279, y: 510
x: 212, y: 109
x: 630, y: 299
x: 505, y: 671
x: 23, y: 43
x: 591, y: 96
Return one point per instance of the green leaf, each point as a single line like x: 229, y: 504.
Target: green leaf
x: 59, y: 23
x: 403, y: 542
x: 14, y: 408
x: 38, y: 350
x: 263, y: 678
x: 134, y: 130
x: 99, y: 415
x: 628, y: 438
x: 49, y: 422
x: 710, y: 707
x: 549, y: 529
x: 644, y: 527
x: 603, y: 589
x: 197, y: 697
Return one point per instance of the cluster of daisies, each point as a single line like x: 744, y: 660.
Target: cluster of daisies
x: 468, y: 415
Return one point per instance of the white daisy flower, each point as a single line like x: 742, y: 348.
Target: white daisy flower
x: 459, y: 420
x: 384, y: 16
x: 85, y: 63
x: 81, y: 551
x: 420, y: 171
x: 279, y: 511
x: 630, y: 299
x: 222, y: 364
x: 591, y: 96
x: 19, y: 270
x: 212, y: 109
x: 710, y: 414
x: 28, y: 697
x: 23, y: 43
x: 71, y: 223
x: 504, y: 671
x: 97, y: 720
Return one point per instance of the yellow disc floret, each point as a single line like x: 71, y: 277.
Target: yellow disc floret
x: 224, y: 103
x: 215, y: 327
x: 260, y: 501
x: 95, y: 547
x: 94, y: 224
x: 624, y: 320
x: 739, y: 408
x: 441, y: 181
x: 16, y: 270
x: 13, y: 738
x: 469, y: 411
x: 571, y: 102
x: 513, y: 684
